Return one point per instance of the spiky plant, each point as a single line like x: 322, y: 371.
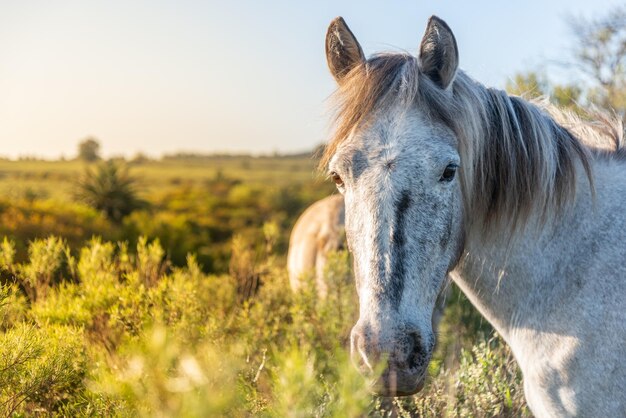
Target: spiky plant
x: 111, y: 189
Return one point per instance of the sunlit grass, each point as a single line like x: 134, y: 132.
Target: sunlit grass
x: 56, y: 179
x: 112, y: 332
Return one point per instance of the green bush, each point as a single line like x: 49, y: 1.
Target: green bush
x: 126, y: 334
x: 110, y: 189
x: 160, y: 376
x: 40, y: 368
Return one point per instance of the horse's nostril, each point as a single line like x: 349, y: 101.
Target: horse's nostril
x: 416, y: 354
x: 405, y: 351
x: 368, y: 349
x: 359, y: 350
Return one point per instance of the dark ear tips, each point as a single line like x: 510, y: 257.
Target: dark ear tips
x: 436, y: 20
x: 337, y: 21
x: 343, y: 51
x: 439, y: 56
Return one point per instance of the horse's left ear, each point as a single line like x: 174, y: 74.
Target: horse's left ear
x: 343, y: 51
x: 439, y: 56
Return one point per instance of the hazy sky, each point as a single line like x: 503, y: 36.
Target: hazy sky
x: 242, y: 76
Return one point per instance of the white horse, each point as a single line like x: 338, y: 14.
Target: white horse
x: 317, y: 232
x: 441, y: 174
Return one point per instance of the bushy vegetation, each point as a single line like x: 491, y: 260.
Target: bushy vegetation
x: 106, y: 331
x: 191, y: 205
x: 182, y: 306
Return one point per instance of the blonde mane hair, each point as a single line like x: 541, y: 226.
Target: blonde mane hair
x: 517, y: 156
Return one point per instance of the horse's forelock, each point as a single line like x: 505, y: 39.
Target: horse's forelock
x: 381, y: 82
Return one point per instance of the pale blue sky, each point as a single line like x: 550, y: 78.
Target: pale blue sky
x: 241, y: 76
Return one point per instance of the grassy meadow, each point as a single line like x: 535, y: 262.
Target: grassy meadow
x: 192, y: 204
x: 182, y: 308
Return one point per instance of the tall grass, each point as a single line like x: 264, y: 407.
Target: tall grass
x: 110, y: 332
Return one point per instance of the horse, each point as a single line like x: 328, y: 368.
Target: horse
x: 442, y: 175
x: 316, y: 233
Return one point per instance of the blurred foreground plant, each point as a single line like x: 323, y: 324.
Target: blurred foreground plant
x: 159, y: 376
x: 39, y: 366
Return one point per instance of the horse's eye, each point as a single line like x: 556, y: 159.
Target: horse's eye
x: 336, y: 178
x: 448, y: 173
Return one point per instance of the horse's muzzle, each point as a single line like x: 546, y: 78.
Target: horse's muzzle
x: 397, y: 362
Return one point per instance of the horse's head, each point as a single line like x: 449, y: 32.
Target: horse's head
x: 396, y: 163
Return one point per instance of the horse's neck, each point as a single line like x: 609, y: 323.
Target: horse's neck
x: 522, y: 286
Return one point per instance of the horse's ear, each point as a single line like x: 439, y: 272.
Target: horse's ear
x: 439, y: 56
x: 343, y: 51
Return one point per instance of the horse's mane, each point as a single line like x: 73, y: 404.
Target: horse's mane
x: 601, y: 132
x: 517, y: 156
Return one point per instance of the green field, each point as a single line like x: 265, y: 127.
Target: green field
x: 193, y: 204
x: 56, y: 179
x: 183, y: 308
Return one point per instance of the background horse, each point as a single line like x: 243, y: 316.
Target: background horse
x: 317, y: 232
x: 443, y: 175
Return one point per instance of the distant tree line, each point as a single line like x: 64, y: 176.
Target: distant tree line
x: 598, y: 61
x: 178, y: 156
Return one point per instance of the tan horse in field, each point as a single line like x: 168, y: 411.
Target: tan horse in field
x: 317, y: 232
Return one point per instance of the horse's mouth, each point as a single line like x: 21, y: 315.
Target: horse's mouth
x: 394, y: 383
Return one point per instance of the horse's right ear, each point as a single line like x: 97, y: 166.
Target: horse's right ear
x: 439, y: 55
x: 343, y: 51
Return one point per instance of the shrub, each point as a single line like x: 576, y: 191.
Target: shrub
x: 488, y: 383
x: 110, y: 189
x: 129, y: 336
x: 27, y: 221
x: 158, y: 376
x: 46, y: 257
x: 40, y: 368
